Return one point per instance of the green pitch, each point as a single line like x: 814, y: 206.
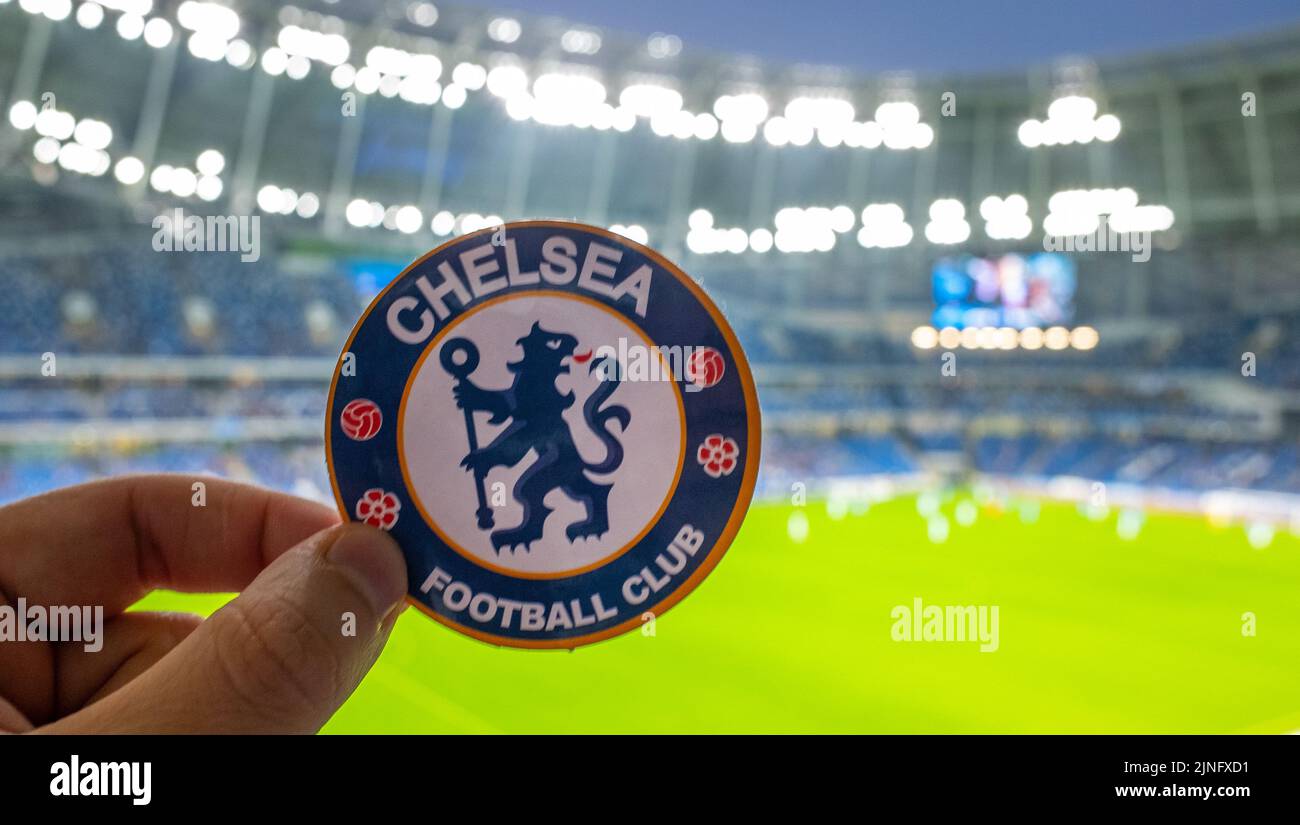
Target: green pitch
x: 1096, y: 634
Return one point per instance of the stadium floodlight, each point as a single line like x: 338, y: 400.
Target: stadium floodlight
x: 308, y: 205
x: 129, y: 171
x: 760, y: 240
x: 454, y: 96
x: 504, y: 29
x: 161, y: 178
x: 46, y: 150
x: 209, y: 187
x: 408, y: 220
x: 367, y: 80
x: 275, y: 61
x: 210, y: 162
x: 239, y: 54
x: 158, y: 33
x: 130, y: 26
x: 298, y: 67
x: 1030, y: 133
x: 506, y: 80
x: 661, y: 46
x: 443, y: 223
x: 749, y: 107
x: 884, y: 227
x: 22, y: 115
x: 470, y: 75
x: 209, y: 18
x: 343, y: 76
x: 648, y: 99
x: 95, y: 134
x: 925, y: 337
x: 706, y: 127
x: 1031, y: 338
x: 270, y: 198
x: 580, y: 41
x: 700, y: 219
x: 424, y: 15
x: 633, y: 232
x: 1084, y: 338
x: 358, y: 212
x: 53, y: 123
x: 739, y: 131
x: 90, y: 15
x: 1107, y: 127
x: 184, y: 182
x: 842, y: 219
x: 776, y: 131
x: 1056, y: 338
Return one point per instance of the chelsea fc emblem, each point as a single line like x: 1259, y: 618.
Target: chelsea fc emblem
x: 557, y: 426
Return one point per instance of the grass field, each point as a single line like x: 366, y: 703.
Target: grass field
x: 1097, y: 634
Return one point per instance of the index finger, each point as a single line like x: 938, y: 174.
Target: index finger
x: 110, y: 542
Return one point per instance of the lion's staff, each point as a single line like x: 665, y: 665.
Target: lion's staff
x: 460, y: 357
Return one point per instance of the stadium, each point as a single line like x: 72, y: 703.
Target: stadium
x: 1021, y: 340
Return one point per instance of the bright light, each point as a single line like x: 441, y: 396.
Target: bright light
x: 408, y: 220
x: 308, y: 205
x: 760, y: 240
x: 580, y: 41
x: 470, y: 75
x: 23, y: 115
x: 129, y: 171
x: 270, y: 199
x: 1084, y: 338
x: 274, y: 61
x: 925, y: 337
x: 505, y: 81
x: 454, y: 96
x: 209, y: 188
x: 239, y: 54
x: 211, y: 162
x: 158, y: 33
x: 947, y: 222
x: 95, y: 134
x: 747, y: 108
x: 422, y: 14
x: 46, y: 150
x: 90, y: 15
x: 884, y: 227
x: 1056, y: 338
x: 130, y: 26
x: 1070, y: 119
x: 443, y: 223
x: 55, y: 124
x: 649, y: 100
x: 358, y: 212
x: 504, y: 29
x: 184, y: 182
x: 1006, y: 218
x: 161, y: 178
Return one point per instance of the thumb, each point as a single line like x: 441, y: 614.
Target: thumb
x: 280, y: 658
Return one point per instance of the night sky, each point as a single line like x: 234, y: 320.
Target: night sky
x: 928, y: 37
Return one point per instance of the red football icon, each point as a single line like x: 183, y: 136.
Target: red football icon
x: 705, y: 367
x: 361, y: 419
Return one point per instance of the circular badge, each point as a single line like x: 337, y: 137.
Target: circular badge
x: 557, y: 426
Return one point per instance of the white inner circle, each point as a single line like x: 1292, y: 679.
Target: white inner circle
x: 434, y: 439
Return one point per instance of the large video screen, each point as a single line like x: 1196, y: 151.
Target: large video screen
x: 1007, y: 291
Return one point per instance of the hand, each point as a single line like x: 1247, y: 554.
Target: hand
x: 275, y: 659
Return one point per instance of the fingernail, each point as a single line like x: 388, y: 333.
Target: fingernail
x: 373, y: 562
